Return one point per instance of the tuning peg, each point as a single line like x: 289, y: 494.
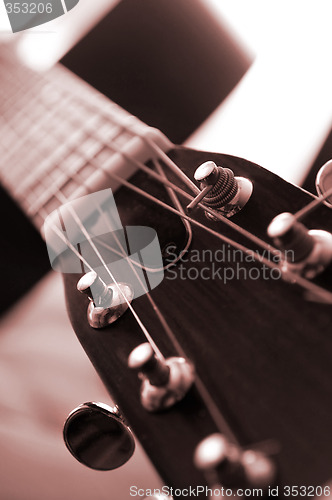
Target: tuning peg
x: 98, y: 437
x: 221, y: 190
x: 164, y: 381
x: 227, y: 464
x: 216, y: 454
x: 260, y: 471
x: 306, y: 252
x: 324, y: 182
x: 107, y: 303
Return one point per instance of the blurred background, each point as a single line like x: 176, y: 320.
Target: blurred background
x: 252, y: 79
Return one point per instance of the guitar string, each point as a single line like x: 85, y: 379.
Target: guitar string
x: 129, y: 123
x: 177, y: 171
x: 214, y: 411
x: 182, y: 176
x: 223, y: 219
x: 124, y: 124
x: 188, y: 197
x: 288, y: 275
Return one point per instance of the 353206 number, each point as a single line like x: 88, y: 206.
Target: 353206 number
x: 28, y: 8
x: 307, y: 491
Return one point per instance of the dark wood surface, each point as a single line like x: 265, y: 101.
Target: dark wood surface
x: 262, y: 350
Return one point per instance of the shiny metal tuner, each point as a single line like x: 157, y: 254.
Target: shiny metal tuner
x: 324, y: 182
x: 305, y: 252
x: 97, y: 436
x: 164, y: 381
x: 226, y: 463
x: 221, y: 191
x: 107, y: 303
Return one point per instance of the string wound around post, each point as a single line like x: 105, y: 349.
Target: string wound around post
x: 221, y: 191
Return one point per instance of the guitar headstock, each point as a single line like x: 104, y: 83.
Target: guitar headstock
x: 246, y: 325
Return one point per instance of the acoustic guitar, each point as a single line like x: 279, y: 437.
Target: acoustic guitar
x: 223, y: 370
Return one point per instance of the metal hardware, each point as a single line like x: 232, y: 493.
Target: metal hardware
x: 164, y: 382
x: 324, y: 181
x: 306, y: 252
x: 221, y: 190
x: 97, y: 436
x: 227, y: 464
x: 107, y: 303
x: 259, y: 469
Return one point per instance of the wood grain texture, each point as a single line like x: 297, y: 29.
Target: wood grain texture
x: 262, y: 350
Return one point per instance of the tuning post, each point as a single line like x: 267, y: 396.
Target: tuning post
x: 107, y: 302
x: 164, y: 381
x: 219, y: 460
x: 226, y: 463
x: 306, y: 252
x: 221, y: 190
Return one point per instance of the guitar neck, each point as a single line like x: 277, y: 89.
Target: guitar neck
x: 56, y: 134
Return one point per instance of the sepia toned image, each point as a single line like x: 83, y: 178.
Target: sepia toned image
x: 166, y: 249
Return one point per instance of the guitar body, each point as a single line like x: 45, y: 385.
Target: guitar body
x: 262, y: 350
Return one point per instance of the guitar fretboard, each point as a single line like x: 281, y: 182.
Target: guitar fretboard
x: 57, y: 132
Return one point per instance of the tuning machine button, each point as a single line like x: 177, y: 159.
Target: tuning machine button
x: 219, y: 460
x: 306, y: 252
x: 221, y: 190
x: 164, y: 381
x: 98, y: 437
x: 107, y: 302
x: 225, y: 463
